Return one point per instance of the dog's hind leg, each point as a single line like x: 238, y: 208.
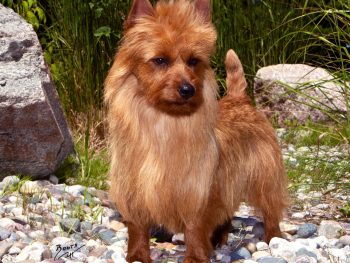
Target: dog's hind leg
x: 268, y: 196
x: 138, y: 243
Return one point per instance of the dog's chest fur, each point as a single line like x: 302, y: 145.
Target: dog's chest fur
x: 170, y: 159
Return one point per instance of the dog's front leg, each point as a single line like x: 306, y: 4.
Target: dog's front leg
x: 197, y: 238
x: 138, y: 243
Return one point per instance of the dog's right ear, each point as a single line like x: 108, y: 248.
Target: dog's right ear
x: 139, y: 8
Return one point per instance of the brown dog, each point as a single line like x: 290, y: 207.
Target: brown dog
x: 179, y: 157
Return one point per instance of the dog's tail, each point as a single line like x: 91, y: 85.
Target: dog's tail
x: 235, y: 79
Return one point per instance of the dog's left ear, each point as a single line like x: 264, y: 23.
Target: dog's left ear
x: 204, y: 8
x: 139, y: 8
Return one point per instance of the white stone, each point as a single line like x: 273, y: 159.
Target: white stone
x: 31, y: 187
x: 33, y: 251
x: 330, y: 229
x: 282, y: 248
x: 14, y: 250
x: 118, y: 256
x: 7, y: 223
x: 259, y: 254
x: 338, y: 255
x: 262, y: 246
x: 75, y: 190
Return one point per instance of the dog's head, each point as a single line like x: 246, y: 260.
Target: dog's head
x: 169, y: 48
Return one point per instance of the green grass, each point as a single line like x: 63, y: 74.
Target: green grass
x: 89, y: 166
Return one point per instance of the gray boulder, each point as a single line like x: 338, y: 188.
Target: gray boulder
x: 34, y: 136
x: 288, y: 92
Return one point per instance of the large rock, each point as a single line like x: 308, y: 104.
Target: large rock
x: 299, y: 92
x: 34, y: 136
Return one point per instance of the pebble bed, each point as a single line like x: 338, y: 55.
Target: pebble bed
x: 43, y: 221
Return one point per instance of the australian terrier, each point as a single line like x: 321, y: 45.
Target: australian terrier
x: 179, y: 157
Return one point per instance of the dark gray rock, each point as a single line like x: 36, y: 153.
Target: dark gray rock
x: 288, y: 92
x: 106, y: 236
x: 242, y: 253
x: 70, y: 225
x: 34, y: 136
x: 307, y: 230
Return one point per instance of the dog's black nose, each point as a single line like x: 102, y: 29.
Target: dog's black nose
x: 186, y: 91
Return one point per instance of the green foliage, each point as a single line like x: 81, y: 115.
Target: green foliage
x: 81, y: 44
x: 89, y: 166
x: 345, y: 210
x: 31, y: 10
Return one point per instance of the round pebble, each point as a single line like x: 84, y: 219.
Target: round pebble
x: 307, y: 230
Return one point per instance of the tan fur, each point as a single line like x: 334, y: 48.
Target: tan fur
x: 185, y: 164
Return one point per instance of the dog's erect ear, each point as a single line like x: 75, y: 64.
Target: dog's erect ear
x: 204, y: 8
x: 139, y: 8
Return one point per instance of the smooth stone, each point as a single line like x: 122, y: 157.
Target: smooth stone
x: 32, y: 187
x: 251, y: 247
x: 259, y: 254
x: 38, y: 234
x: 241, y: 253
x: 156, y: 253
x: 305, y: 252
x: 262, y: 246
x: 4, y: 233
x: 118, y: 256
x: 34, y: 251
x: 13, y: 237
x: 7, y: 223
x: 76, y: 190
x: 305, y: 259
x: 107, y: 236
x: 97, y: 251
x: 14, y: 250
x: 307, y: 242
x: 97, y: 229
x: 321, y: 241
x: 178, y: 238
x: 17, y: 211
x: 80, y: 256
x: 288, y: 228
x: 85, y: 226
x: 10, y: 180
x: 70, y: 225
x: 4, y: 247
x: 270, y: 259
x: 345, y: 240
x: 244, y: 252
x: 330, y: 229
x: 115, y: 225
x: 282, y: 248
x: 53, y: 179
x: 299, y: 215
x: 307, y: 230
x: 338, y: 255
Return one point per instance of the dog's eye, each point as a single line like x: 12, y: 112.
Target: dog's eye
x: 193, y: 62
x: 160, y: 61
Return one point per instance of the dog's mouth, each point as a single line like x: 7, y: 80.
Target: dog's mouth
x: 179, y: 106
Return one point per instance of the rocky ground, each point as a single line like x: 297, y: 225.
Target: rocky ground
x: 43, y: 221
